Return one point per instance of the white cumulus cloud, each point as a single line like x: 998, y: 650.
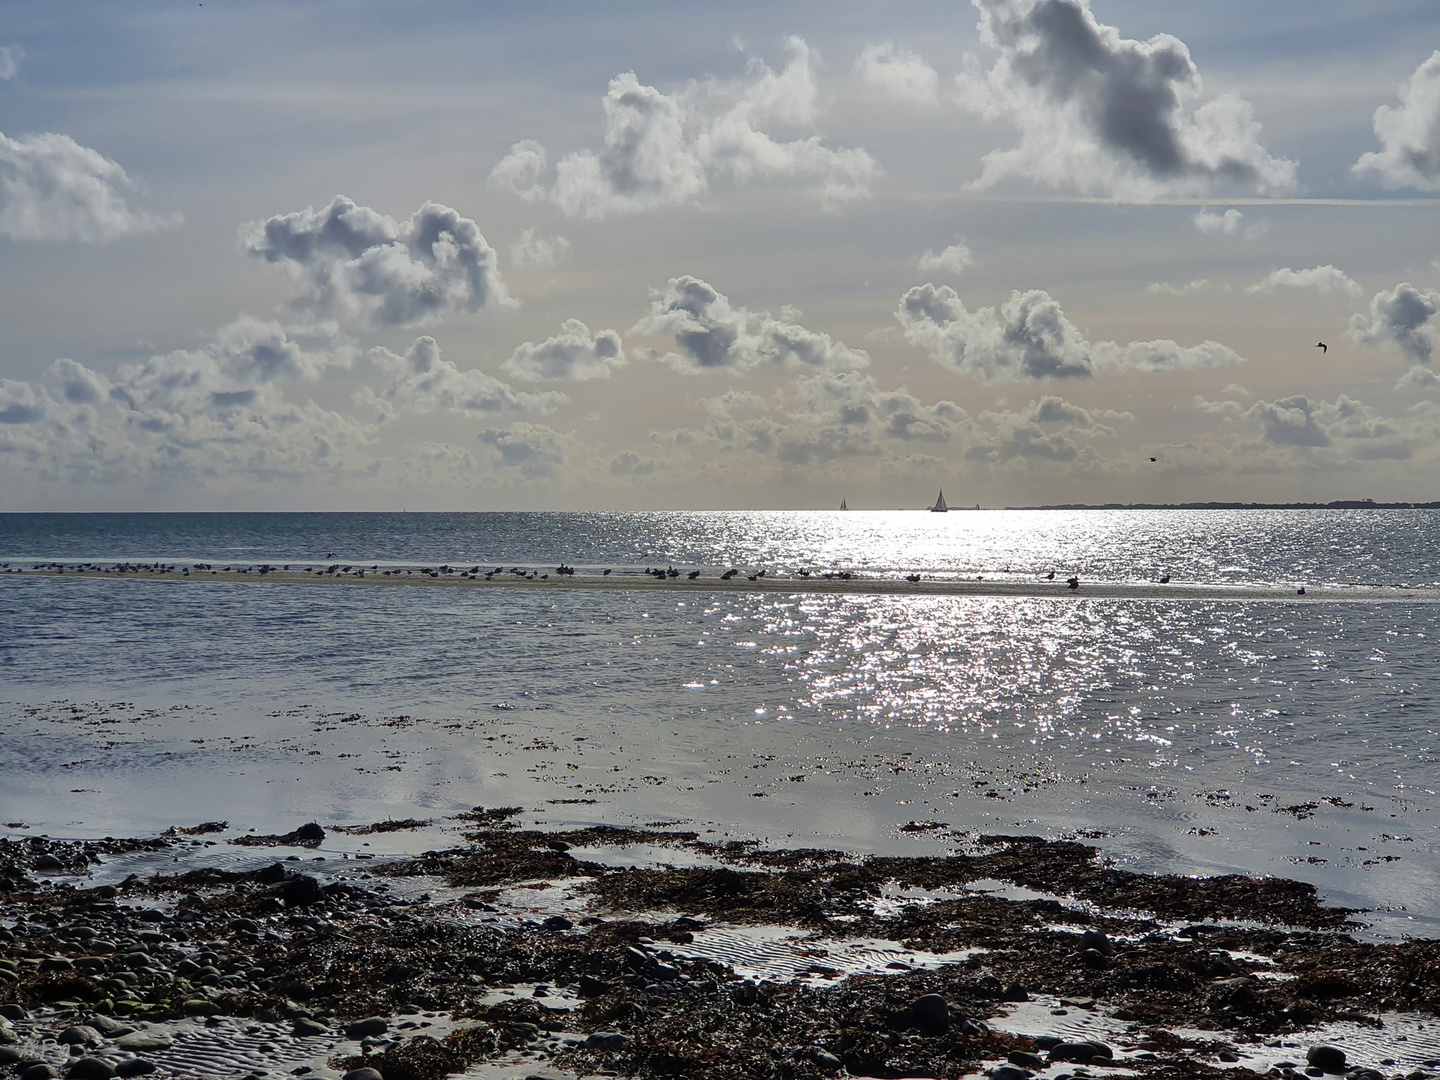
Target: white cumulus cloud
x: 952, y: 260
x: 1102, y: 113
x: 1409, y: 134
x: 663, y: 149
x: 357, y: 263
x: 423, y: 381
x: 712, y: 334
x: 52, y: 188
x: 533, y: 249
x: 1027, y: 337
x: 574, y: 353
x: 1227, y: 224
x: 532, y: 450
x: 1324, y: 279
x: 898, y: 73
x: 10, y: 57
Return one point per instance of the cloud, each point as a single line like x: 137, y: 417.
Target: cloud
x: 1289, y: 421
x: 1409, y: 135
x: 898, y: 74
x: 357, y: 263
x: 20, y: 403
x: 627, y: 463
x: 1348, y: 428
x: 1028, y: 337
x: 10, y: 57
x: 543, y: 251
x: 1045, y: 432
x: 1167, y: 288
x: 1166, y: 355
x: 574, y: 353
x: 1324, y: 279
x: 663, y: 149
x: 1102, y: 113
x: 953, y: 260
x: 714, y: 335
x: 52, y: 188
x: 533, y: 450
x: 1227, y: 224
x: 422, y: 381
x: 1401, y: 317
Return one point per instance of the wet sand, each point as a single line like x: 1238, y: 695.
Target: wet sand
x: 856, y: 584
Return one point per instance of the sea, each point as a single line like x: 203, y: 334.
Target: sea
x: 1224, y: 733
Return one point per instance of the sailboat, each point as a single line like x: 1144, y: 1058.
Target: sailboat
x: 842, y: 505
x: 940, y: 507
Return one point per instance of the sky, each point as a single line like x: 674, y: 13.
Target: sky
x: 428, y: 255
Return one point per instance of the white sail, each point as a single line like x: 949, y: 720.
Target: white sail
x: 843, y: 506
x: 940, y: 507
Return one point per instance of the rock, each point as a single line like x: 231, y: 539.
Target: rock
x: 1097, y: 940
x: 311, y: 833
x: 557, y: 922
x: 79, y: 1035
x: 930, y: 1014
x: 1330, y: 1059
x: 301, y: 891
x: 140, y: 1041
x: 38, y: 1071
x: 1015, y: 992
x: 363, y: 1074
x: 13, y: 1012
x: 7, y: 1034
x: 1094, y: 958
x: 1081, y: 1053
x: 304, y: 1026
x: 604, y: 1040
x: 10, y: 1056
x: 1364, y: 1074
x: 592, y: 987
x: 110, y: 1028
x: 90, y: 1068
x: 48, y: 863
x: 134, y: 1066
x: 369, y: 1027
x: 826, y: 1061
x: 200, y: 1007
x: 1026, y: 1060
x: 1010, y: 1072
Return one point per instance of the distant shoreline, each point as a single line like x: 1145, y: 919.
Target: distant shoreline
x: 1339, y: 504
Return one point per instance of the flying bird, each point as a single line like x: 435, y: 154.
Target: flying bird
x: 1322, y: 346
x: 1154, y: 459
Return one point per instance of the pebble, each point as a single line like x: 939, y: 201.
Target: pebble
x: 363, y: 1074
x: 79, y: 1035
x: 1330, y: 1059
x: 304, y: 1025
x: 1010, y: 1072
x: 370, y: 1026
x: 90, y: 1068
x: 140, y: 1041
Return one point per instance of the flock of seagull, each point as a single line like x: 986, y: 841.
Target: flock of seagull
x: 470, y: 573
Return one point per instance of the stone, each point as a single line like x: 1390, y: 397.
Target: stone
x: 1081, y: 1052
x: 10, y: 1056
x: 1026, y: 1060
x: 366, y: 1073
x: 604, y: 1040
x: 826, y: 1061
x: 367, y: 1028
x: 1330, y: 1059
x: 135, y: 1066
x: 200, y: 1007
x: 39, y: 1071
x: 310, y: 833
x: 1364, y: 1074
x: 140, y: 1041
x: 305, y: 1025
x: 931, y: 1014
x: 90, y: 1068
x: 79, y: 1035
x: 557, y: 922
x: 301, y: 891
x: 48, y: 863
x: 1010, y: 1072
x: 1097, y: 940
x: 110, y: 1028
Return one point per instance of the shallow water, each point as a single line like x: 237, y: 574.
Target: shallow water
x: 1193, y: 736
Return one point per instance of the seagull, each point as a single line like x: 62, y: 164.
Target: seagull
x: 1154, y: 459
x: 1050, y: 576
x: 1322, y: 346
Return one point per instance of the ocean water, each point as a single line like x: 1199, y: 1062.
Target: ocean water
x: 1185, y: 735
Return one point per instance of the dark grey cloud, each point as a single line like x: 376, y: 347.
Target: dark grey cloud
x: 1289, y: 421
x: 356, y: 263
x: 1100, y: 112
x: 1401, y: 316
x: 713, y: 335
